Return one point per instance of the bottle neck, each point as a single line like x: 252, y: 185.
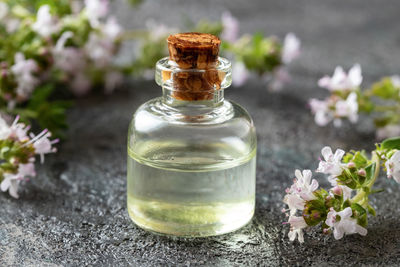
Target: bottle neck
x: 216, y: 99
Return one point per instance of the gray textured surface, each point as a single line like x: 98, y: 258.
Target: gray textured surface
x: 74, y: 212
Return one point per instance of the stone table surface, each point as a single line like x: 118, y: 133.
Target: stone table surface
x: 74, y: 212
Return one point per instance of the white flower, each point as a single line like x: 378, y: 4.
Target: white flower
x: 17, y: 131
x: 331, y: 164
x: 4, y: 129
x: 301, y: 191
x: 393, y: 166
x: 297, y: 224
x: 42, y: 144
x: 240, y: 74
x: 347, y: 108
x: 230, y: 27
x: 10, y: 22
x: 340, y: 81
x: 389, y: 130
x: 323, y: 115
x: 157, y: 30
x: 295, y: 202
x: 3, y: 10
x: 112, y: 80
x: 291, y: 48
x: 45, y: 24
x: 304, y: 186
x: 112, y: 29
x: 11, y: 181
x: 346, y: 224
x: 95, y: 10
x: 69, y: 59
x: 99, y: 49
x: 23, y: 69
x: 395, y: 80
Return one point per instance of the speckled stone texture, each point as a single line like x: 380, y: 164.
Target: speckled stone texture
x: 74, y: 212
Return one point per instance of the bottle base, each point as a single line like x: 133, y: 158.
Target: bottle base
x: 190, y: 219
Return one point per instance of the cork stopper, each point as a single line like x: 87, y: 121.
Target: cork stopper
x: 194, y: 50
x: 197, y: 53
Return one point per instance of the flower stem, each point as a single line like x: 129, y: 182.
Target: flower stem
x: 386, y: 108
x: 361, y: 195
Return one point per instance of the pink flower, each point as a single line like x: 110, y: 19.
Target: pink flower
x: 393, y: 166
x: 112, y: 29
x: 158, y: 31
x: 99, y: 49
x: 96, y: 10
x: 346, y: 224
x: 340, y: 81
x: 395, y: 80
x: 347, y: 109
x: 80, y: 85
x: 279, y: 78
x: 230, y: 27
x: 239, y: 73
x: 291, y: 48
x: 387, y: 131
x: 69, y: 59
x: 301, y: 191
x: 45, y: 24
x: 3, y: 10
x: 11, y: 181
x: 17, y: 131
x: 23, y: 70
x: 42, y: 144
x: 323, y: 115
x: 342, y: 190
x: 297, y: 224
x: 331, y: 164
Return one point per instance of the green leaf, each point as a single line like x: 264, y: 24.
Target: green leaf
x: 391, y: 143
x: 3, y: 151
x: 370, y: 170
x: 359, y: 159
x: 362, y: 220
x: 385, y: 89
x: 358, y: 208
x: 347, y: 158
x: 377, y: 191
x: 371, y: 210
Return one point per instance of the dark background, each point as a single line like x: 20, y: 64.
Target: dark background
x: 74, y: 212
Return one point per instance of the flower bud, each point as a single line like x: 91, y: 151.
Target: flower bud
x: 337, y: 190
x: 362, y: 172
x: 351, y: 165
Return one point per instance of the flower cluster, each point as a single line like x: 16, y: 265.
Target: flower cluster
x: 69, y: 46
x: 17, y: 153
x: 342, y: 209
x: 347, y: 100
x: 61, y: 44
x: 343, y: 101
x: 266, y: 56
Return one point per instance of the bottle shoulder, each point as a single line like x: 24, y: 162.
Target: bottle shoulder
x: 155, y: 111
x: 223, y: 134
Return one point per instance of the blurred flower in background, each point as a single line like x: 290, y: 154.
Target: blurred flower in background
x: 347, y: 100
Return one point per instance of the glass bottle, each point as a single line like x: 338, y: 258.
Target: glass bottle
x: 191, y: 153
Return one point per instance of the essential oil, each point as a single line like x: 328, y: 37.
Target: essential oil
x: 191, y: 153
